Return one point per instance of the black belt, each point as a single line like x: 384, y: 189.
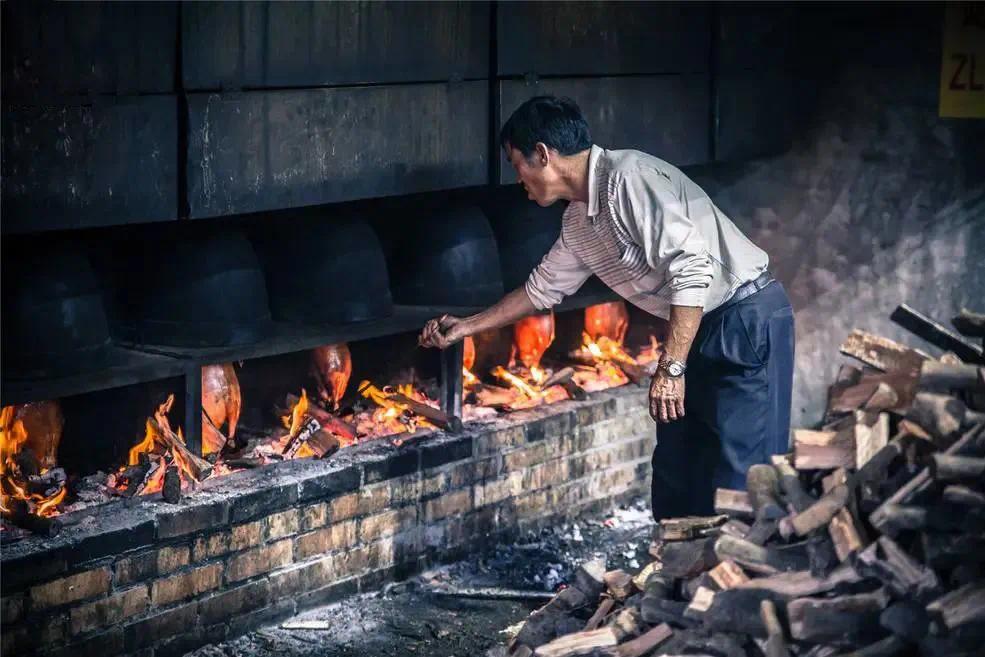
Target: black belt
x: 749, y: 288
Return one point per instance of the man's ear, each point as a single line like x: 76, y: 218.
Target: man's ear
x: 542, y: 154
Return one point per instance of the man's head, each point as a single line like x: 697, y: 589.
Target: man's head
x: 538, y: 138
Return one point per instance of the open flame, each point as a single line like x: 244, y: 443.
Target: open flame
x: 392, y: 416
x: 24, y: 479
x: 525, y: 388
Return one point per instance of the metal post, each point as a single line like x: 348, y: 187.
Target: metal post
x: 451, y: 379
x: 193, y: 409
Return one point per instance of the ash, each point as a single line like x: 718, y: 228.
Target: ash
x: 415, y: 618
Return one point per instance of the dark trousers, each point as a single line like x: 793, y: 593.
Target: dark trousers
x: 736, y: 404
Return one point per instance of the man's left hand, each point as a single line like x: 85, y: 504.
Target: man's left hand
x: 666, y: 397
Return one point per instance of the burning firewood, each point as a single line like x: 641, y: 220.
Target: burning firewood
x: 31, y: 487
x: 327, y: 420
x: 222, y: 402
x: 400, y: 402
x: 332, y: 367
x: 306, y: 437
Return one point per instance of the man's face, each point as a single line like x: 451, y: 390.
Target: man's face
x: 536, y: 174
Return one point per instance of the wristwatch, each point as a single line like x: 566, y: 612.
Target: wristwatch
x: 673, y: 368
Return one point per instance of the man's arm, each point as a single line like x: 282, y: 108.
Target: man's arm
x: 666, y: 392
x: 559, y: 274
x: 447, y: 330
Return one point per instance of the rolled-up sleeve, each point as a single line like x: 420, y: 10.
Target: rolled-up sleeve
x: 558, y: 275
x: 655, y: 217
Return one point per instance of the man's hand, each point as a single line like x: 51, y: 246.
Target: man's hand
x: 666, y: 397
x: 442, y: 332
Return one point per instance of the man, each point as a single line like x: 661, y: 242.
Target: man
x: 656, y: 238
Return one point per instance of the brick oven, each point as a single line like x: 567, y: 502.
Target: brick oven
x: 223, y: 226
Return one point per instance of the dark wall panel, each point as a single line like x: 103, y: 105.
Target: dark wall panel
x: 755, y: 114
x: 666, y: 115
x: 266, y: 150
x: 232, y: 45
x: 755, y: 36
x: 74, y: 48
x: 89, y: 163
x: 602, y: 38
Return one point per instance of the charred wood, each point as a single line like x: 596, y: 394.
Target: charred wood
x: 847, y: 620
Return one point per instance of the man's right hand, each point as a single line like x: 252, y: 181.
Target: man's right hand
x: 442, y: 332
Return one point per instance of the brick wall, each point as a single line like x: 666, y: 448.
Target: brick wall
x: 153, y: 579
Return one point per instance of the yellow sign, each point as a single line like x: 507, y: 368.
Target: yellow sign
x: 963, y: 65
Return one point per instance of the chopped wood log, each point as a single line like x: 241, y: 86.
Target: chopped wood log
x: 627, y: 623
x: 947, y: 467
x: 580, y: 643
x: 328, y: 421
x: 311, y: 435
x: 959, y: 607
x: 881, y: 353
x: 901, y: 574
x: 762, y: 484
x: 701, y: 602
x: 619, y: 584
x: 733, y: 610
x: 844, y: 534
x: 133, y: 477
x: 575, y: 391
x: 558, y: 377
x: 688, y: 558
x: 870, y: 438
x: 728, y: 574
x: 943, y: 377
x: 847, y: 620
x: 941, y: 415
x: 876, y: 467
x: 589, y: 578
x: 171, y: 490
x: 198, y: 467
x: 817, y: 515
x: 659, y: 610
x: 776, y: 643
x: 603, y: 610
x: 837, y: 477
x: 645, y: 643
x: 884, y: 397
x: 690, y: 527
x: 964, y: 496
x: 937, y: 334
x: 919, y: 483
x: 822, y: 558
x: 644, y: 576
x: 822, y: 450
x: 736, y: 528
x: 798, y: 584
x: 733, y: 503
x: 789, y: 482
x: 756, y: 558
x: 435, y: 416
x: 907, y: 619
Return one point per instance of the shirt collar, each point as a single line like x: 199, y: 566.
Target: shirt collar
x: 593, y: 181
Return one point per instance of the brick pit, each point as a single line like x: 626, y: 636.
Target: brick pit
x: 143, y: 577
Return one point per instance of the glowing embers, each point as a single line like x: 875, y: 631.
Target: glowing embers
x: 603, y: 350
x: 159, y: 460
x: 30, y: 484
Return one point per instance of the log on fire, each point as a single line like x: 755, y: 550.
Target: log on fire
x: 198, y: 467
x: 328, y: 421
x: 435, y: 416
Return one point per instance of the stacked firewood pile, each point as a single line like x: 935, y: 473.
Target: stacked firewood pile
x: 867, y: 540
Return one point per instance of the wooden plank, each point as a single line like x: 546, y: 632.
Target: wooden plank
x: 881, y: 353
x: 822, y: 450
x: 937, y: 334
x: 735, y: 503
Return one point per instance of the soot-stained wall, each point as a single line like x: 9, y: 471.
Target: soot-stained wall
x: 880, y: 201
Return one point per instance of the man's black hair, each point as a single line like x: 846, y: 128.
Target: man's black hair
x: 557, y: 122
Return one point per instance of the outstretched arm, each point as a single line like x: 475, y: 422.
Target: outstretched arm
x: 447, y: 330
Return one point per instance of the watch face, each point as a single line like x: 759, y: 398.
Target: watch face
x: 675, y: 369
